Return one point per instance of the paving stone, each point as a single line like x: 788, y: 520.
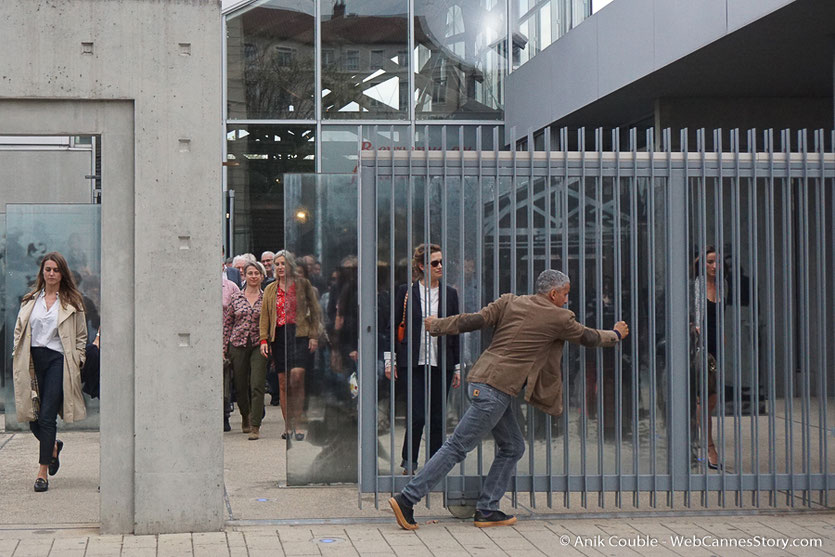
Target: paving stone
x: 299, y: 548
x: 139, y: 552
x: 294, y: 534
x: 208, y: 538
x: 262, y: 541
x: 135, y: 542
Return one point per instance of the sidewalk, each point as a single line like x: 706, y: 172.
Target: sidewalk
x: 267, y: 518
x: 684, y: 536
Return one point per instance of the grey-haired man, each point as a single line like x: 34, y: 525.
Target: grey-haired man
x: 525, y: 352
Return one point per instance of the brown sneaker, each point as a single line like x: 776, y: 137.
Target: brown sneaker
x: 245, y: 427
x: 403, y: 512
x: 254, y: 433
x: 486, y: 519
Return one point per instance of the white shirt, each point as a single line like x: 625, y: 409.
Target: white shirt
x: 44, y: 324
x: 432, y: 303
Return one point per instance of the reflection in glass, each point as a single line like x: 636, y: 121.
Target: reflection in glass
x: 32, y: 231
x: 538, y: 23
x: 339, y: 144
x: 270, y: 60
x: 460, y: 59
x: 260, y: 156
x: 321, y: 230
x: 2, y: 306
x: 365, y: 59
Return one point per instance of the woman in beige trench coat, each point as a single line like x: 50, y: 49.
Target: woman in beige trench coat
x: 49, y: 344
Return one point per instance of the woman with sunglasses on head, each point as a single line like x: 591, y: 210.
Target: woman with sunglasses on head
x: 427, y: 352
x: 50, y: 337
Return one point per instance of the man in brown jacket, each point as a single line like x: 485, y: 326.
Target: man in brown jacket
x: 526, y: 350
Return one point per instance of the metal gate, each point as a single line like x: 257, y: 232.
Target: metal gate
x: 631, y: 228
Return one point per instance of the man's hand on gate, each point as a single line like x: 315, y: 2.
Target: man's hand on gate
x: 428, y: 322
x: 622, y: 328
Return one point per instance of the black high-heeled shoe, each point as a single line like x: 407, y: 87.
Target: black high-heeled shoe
x: 717, y: 466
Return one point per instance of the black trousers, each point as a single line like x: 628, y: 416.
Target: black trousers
x: 438, y: 391
x: 49, y: 370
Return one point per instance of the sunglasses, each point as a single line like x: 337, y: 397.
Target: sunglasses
x: 436, y: 262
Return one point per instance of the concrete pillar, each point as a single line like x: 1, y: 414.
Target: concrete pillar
x: 153, y: 93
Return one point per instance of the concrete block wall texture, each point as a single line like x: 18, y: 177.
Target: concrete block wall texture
x: 162, y: 458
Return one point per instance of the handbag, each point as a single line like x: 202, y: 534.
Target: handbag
x: 36, y: 397
x: 401, y: 327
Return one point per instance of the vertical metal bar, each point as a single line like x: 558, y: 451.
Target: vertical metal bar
x: 462, y: 284
x: 771, y: 365
x: 317, y: 87
x: 736, y: 291
x: 411, y: 68
x: 548, y: 265
x: 565, y: 398
x: 652, y: 319
x: 788, y: 346
x: 360, y: 182
x: 581, y: 207
x: 633, y: 295
x: 719, y: 216
x: 688, y: 206
x: 375, y: 316
x: 598, y: 286
x: 753, y: 262
x: 530, y: 410
x: 702, y: 410
x: 442, y: 305
x: 393, y: 308
x: 513, y: 263
x: 367, y: 233
x: 805, y: 277
x: 820, y: 249
x: 618, y: 278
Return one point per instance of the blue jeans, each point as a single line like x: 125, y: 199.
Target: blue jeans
x: 490, y: 410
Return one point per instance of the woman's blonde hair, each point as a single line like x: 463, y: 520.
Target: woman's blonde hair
x: 289, y: 263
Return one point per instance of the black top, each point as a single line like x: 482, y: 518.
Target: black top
x: 415, y: 328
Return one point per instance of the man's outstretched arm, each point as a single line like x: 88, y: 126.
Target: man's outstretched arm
x: 465, y: 322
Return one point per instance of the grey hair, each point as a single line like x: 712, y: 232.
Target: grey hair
x: 249, y: 257
x: 238, y: 259
x: 267, y: 255
x: 551, y: 279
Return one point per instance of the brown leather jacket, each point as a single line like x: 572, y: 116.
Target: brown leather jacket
x: 526, y: 350
x: 308, y: 313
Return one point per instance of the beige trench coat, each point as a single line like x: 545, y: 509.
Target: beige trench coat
x: 72, y: 329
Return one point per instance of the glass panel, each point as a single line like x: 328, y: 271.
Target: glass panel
x: 32, y: 231
x: 2, y: 307
x: 365, y: 59
x: 434, y: 136
x: 270, y: 60
x: 321, y: 227
x: 262, y: 154
x: 460, y: 59
x: 339, y: 144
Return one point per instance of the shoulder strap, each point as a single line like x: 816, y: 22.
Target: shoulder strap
x: 405, y: 301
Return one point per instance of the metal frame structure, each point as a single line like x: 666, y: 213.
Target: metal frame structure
x: 636, y: 218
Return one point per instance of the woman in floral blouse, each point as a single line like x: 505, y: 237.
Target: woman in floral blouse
x: 241, y: 320
x: 290, y: 329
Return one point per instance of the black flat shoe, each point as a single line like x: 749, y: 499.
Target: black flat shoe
x: 55, y: 463
x: 299, y: 436
x: 286, y: 434
x: 41, y: 485
x: 717, y: 466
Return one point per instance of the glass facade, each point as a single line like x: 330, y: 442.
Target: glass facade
x: 306, y: 78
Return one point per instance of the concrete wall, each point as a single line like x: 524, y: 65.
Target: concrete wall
x: 145, y: 74
x: 623, y: 42
x: 54, y: 175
